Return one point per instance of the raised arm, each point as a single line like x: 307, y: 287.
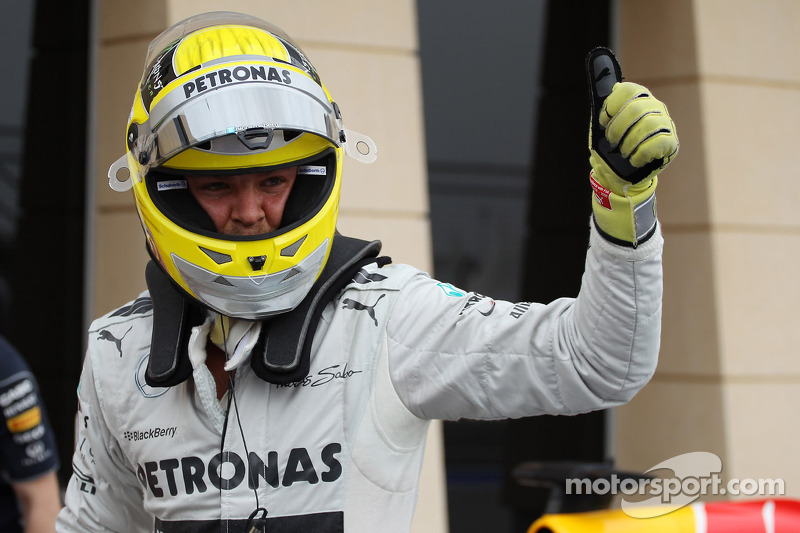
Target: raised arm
x: 454, y: 354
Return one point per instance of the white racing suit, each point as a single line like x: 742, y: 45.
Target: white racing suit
x: 342, y: 449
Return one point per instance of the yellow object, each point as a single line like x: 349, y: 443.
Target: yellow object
x: 224, y: 41
x: 24, y: 421
x: 615, y: 521
x: 225, y: 92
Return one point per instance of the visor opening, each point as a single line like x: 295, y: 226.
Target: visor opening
x: 170, y: 194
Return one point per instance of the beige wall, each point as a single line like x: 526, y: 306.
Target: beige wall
x: 729, y: 377
x: 366, y: 52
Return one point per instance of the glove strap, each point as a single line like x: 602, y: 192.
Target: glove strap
x: 628, y: 220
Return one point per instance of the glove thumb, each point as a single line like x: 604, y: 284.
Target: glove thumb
x: 603, y: 72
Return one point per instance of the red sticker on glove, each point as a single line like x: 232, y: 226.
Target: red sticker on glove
x: 601, y: 194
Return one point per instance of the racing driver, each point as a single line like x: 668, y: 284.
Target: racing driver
x: 278, y: 376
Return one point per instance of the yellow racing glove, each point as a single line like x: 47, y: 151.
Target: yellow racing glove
x: 631, y: 140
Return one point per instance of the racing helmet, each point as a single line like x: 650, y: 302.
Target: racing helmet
x: 227, y: 93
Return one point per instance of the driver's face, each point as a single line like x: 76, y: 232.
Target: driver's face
x: 244, y: 204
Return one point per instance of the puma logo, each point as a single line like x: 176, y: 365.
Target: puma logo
x: 347, y: 303
x: 106, y: 335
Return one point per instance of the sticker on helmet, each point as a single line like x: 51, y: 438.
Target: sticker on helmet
x: 313, y: 170
x: 159, y: 74
x: 171, y: 185
x: 241, y: 73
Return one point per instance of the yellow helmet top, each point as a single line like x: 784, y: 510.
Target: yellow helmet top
x: 229, y: 93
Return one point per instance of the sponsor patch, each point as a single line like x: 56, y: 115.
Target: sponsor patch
x: 519, y: 309
x: 20, y: 405
x: 36, y: 453
x: 451, y: 291
x: 29, y: 436
x: 23, y: 388
x: 227, y: 470
x: 171, y: 185
x: 151, y: 433
x: 474, y: 300
x: 25, y: 421
x: 601, y: 194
